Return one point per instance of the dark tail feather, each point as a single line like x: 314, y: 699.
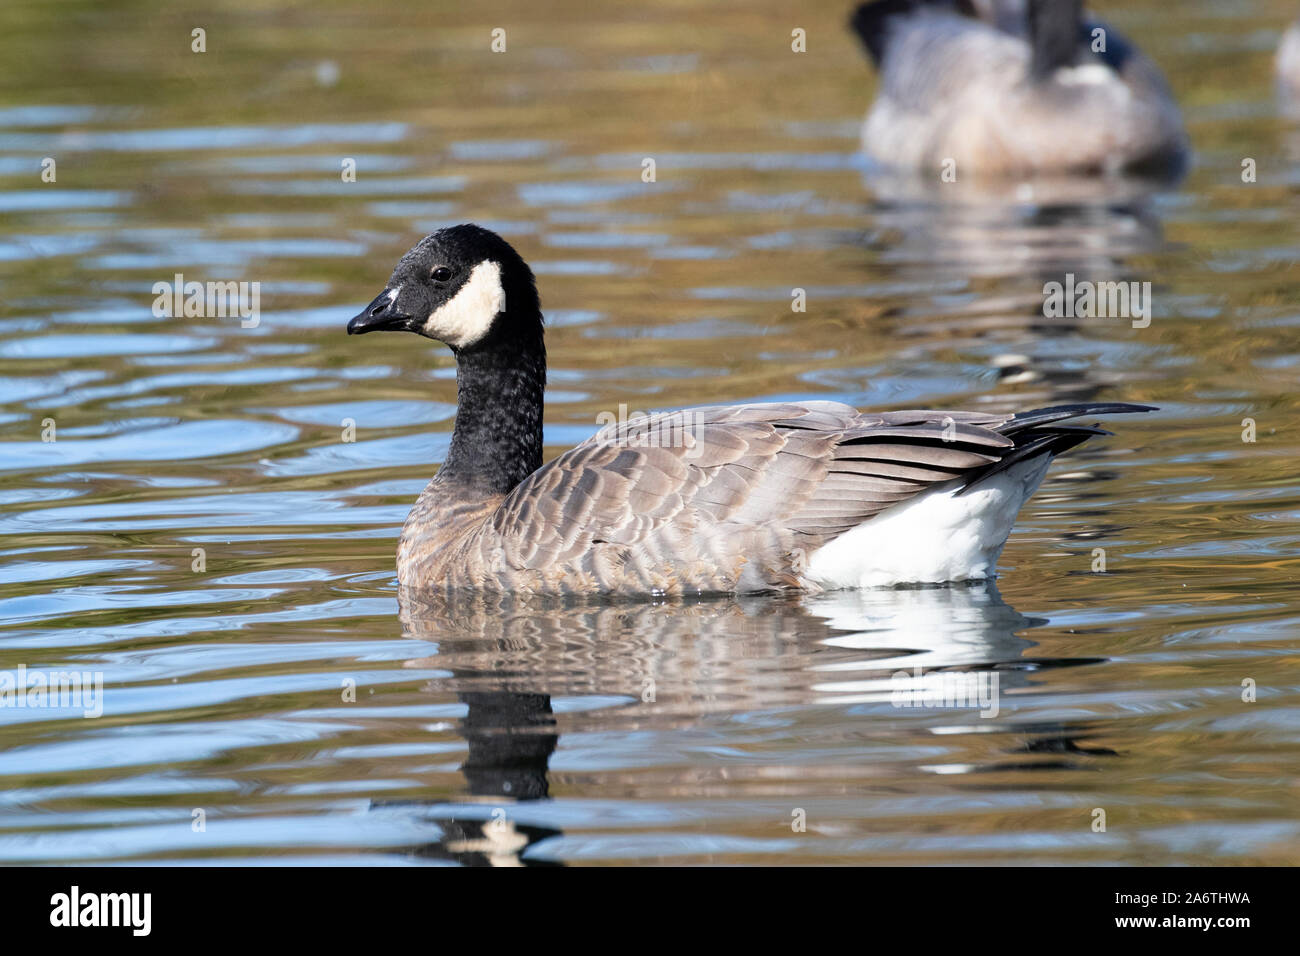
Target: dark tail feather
x: 871, y: 23
x: 1059, y: 413
x: 1033, y: 439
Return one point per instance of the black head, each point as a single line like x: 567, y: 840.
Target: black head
x: 1054, y: 34
x: 463, y: 285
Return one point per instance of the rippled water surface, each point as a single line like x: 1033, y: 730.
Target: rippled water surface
x: 276, y: 682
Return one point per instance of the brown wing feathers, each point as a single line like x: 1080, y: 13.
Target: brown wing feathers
x: 731, y: 477
x: 885, y: 459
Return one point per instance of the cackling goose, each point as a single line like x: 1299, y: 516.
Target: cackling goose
x: 1013, y: 86
x: 726, y: 498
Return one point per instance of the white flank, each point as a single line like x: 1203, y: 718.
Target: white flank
x: 467, y: 317
x: 932, y: 539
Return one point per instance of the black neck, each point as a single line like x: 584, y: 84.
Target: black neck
x: 500, y: 386
x: 1054, y: 33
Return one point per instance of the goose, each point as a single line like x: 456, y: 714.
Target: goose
x: 1007, y: 87
x: 812, y: 495
x: 1287, y: 67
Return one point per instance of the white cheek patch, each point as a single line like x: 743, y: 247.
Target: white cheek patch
x: 468, y: 316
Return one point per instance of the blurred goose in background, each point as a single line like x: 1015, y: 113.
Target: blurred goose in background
x: 1288, y: 67
x: 727, y: 498
x: 1013, y: 86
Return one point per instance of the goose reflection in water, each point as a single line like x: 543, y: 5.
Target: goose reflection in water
x: 1034, y: 226
x: 992, y: 246
x: 659, y: 668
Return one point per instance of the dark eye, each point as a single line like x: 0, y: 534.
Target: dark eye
x: 441, y: 274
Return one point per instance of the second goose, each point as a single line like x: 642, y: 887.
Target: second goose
x: 727, y: 498
x: 1013, y: 86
